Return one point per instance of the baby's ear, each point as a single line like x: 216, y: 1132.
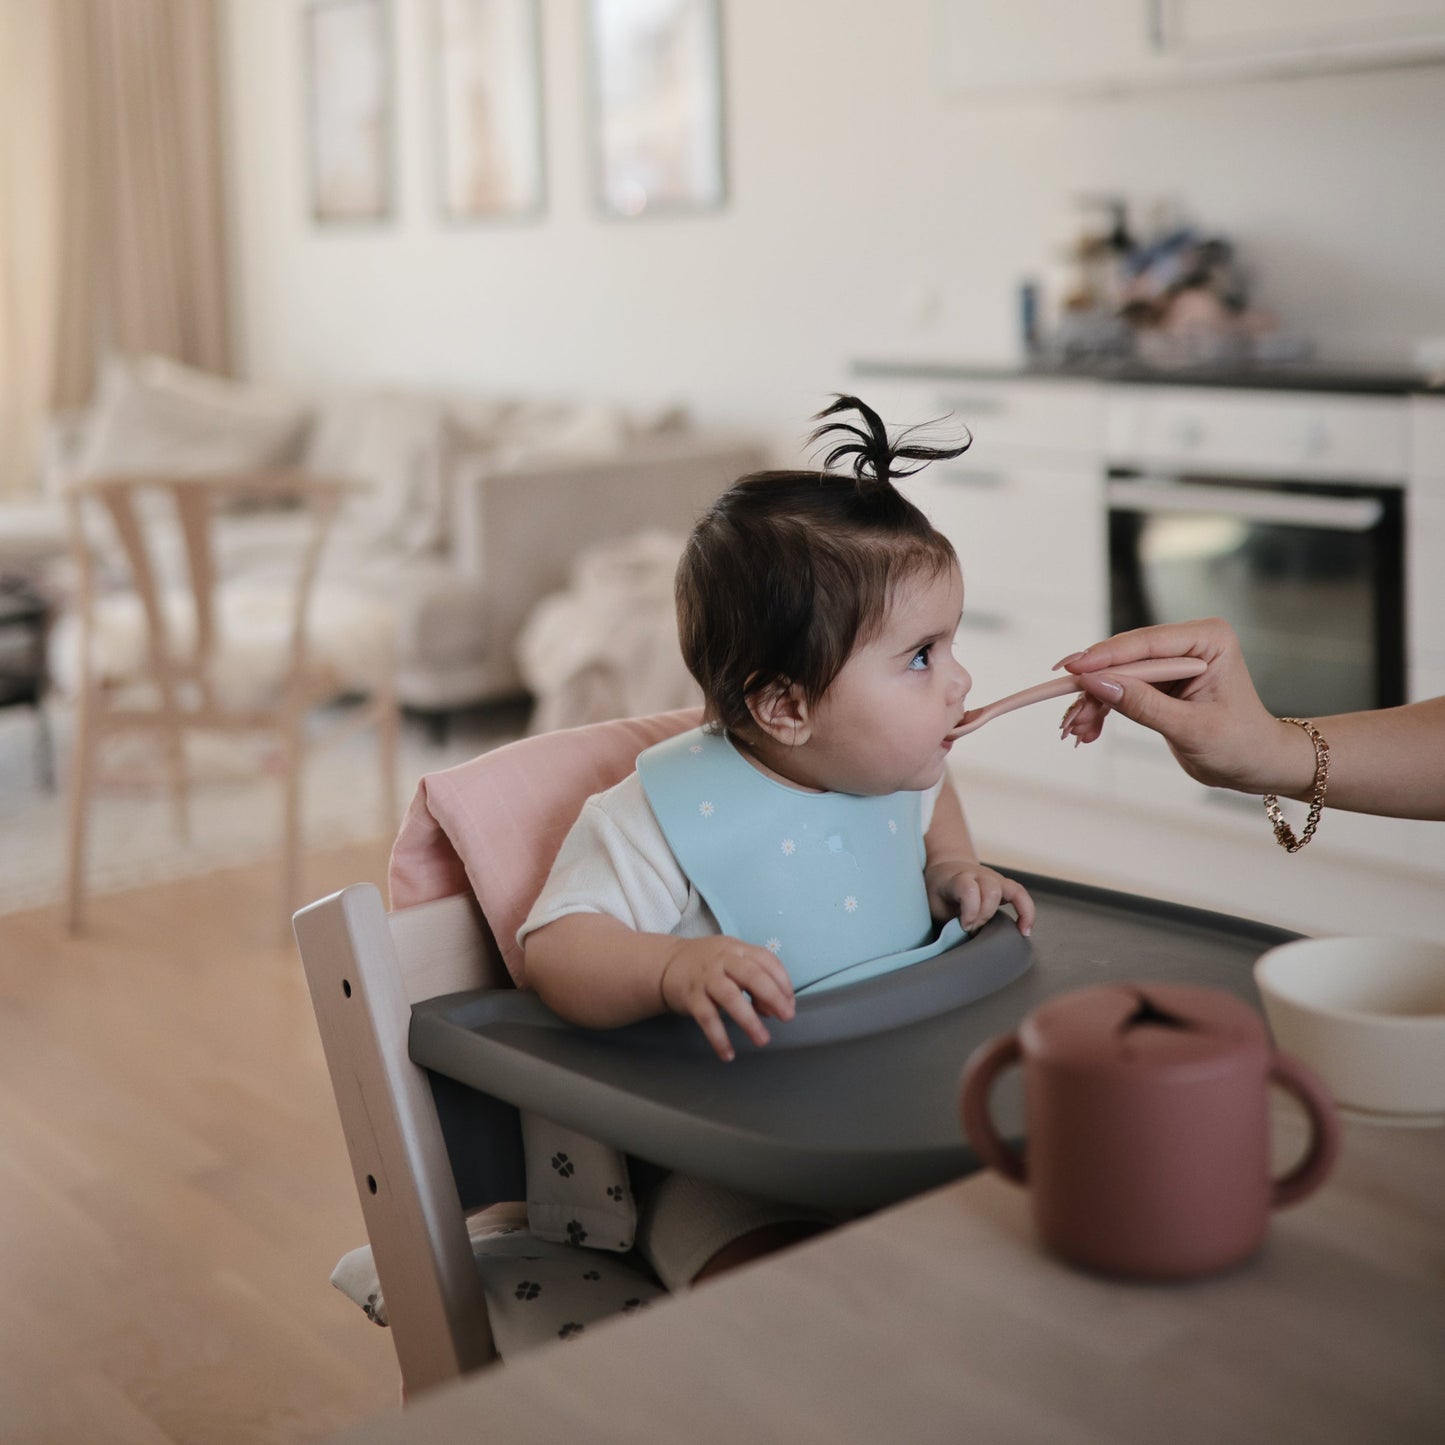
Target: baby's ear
x: 781, y: 712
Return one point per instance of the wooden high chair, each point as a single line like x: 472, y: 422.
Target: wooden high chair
x: 167, y: 652
x: 853, y: 1104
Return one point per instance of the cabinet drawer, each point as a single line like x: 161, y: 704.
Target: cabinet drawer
x: 1425, y: 579
x: 1287, y: 434
x: 1023, y: 536
x: 1427, y: 682
x: 1004, y: 417
x: 1005, y: 653
x: 1427, y: 444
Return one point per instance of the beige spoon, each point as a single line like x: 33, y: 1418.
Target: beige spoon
x: 1150, y: 669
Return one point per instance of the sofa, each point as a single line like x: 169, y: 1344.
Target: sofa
x: 474, y: 507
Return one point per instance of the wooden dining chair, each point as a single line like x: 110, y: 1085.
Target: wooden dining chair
x: 170, y: 650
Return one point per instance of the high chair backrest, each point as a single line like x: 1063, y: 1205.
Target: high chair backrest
x: 471, y: 856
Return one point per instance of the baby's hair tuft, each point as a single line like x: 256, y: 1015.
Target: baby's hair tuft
x: 875, y: 458
x: 788, y: 572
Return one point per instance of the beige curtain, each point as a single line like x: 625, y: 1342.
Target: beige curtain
x: 29, y: 227
x: 111, y: 200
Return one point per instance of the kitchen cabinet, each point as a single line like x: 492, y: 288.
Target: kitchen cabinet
x: 1026, y: 508
x: 1299, y: 31
x: 1062, y: 48
x: 1425, y: 548
x: 1022, y: 46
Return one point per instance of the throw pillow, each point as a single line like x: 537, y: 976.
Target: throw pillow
x: 154, y: 415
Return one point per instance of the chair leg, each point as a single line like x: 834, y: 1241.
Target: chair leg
x: 388, y: 722
x: 82, y: 767
x: 295, y: 754
x: 44, y: 746
x: 173, y: 741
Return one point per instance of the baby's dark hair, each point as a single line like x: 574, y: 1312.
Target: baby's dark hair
x: 789, y: 571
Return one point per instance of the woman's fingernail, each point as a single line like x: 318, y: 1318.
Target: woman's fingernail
x: 1103, y: 687
x: 1064, y: 661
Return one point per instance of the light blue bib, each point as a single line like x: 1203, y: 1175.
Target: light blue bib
x: 830, y: 882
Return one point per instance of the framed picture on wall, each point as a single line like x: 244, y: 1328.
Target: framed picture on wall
x: 348, y: 103
x: 489, y: 84
x: 657, y: 90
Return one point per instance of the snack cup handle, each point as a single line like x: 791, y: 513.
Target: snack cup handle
x: 1319, y: 1159
x: 989, y: 1060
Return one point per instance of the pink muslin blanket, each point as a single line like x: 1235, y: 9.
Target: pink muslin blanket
x: 495, y: 824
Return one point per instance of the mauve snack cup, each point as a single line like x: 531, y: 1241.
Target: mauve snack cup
x: 1146, y: 1110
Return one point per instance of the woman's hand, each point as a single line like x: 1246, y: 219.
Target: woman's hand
x: 707, y: 977
x: 1215, y: 724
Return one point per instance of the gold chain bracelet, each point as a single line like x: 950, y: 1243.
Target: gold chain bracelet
x: 1283, y: 833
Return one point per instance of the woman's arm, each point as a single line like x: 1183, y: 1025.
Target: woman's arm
x: 1390, y: 761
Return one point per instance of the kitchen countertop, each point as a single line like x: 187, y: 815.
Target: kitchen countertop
x: 1258, y: 376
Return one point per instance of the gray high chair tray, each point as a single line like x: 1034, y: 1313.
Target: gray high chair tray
x: 854, y: 1102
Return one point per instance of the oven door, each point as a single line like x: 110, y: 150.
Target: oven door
x: 1310, y: 576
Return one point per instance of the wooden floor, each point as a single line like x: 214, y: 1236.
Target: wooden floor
x: 174, y: 1187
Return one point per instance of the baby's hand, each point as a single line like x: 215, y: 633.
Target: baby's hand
x: 706, y: 976
x: 972, y: 893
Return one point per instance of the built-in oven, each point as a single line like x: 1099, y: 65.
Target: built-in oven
x: 1309, y: 573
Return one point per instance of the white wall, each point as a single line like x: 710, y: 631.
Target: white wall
x: 858, y: 190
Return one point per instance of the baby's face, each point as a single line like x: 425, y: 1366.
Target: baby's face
x: 883, y: 726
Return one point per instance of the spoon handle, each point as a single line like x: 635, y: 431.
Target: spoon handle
x: 1149, y: 669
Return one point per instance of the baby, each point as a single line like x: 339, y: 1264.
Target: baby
x: 808, y: 834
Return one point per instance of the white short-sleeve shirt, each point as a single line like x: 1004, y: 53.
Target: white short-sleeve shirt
x: 615, y: 860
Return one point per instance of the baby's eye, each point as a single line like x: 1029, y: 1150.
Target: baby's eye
x: 920, y: 658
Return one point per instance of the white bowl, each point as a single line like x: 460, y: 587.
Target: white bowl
x: 1368, y: 1015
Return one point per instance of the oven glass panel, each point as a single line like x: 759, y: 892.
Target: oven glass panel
x: 1317, y: 610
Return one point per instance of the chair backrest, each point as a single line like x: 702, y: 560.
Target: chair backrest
x: 362, y: 997
x: 495, y: 822
x: 137, y: 507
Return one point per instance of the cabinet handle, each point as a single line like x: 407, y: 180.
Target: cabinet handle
x: 967, y: 406
x: 1158, y: 27
x: 977, y: 481
x: 1335, y: 514
x: 984, y: 622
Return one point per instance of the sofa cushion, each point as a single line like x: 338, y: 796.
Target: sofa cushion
x: 535, y: 433
x: 396, y: 443
x: 153, y: 415
x: 347, y: 634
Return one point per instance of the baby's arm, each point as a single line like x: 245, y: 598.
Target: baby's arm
x: 597, y: 972
x: 959, y: 886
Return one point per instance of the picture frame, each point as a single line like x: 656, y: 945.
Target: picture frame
x: 489, y: 97
x: 349, y: 107
x: 657, y: 103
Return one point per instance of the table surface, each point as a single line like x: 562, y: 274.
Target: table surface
x: 942, y: 1319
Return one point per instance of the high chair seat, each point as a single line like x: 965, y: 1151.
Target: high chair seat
x: 536, y: 1291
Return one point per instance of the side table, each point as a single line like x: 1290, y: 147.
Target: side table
x: 24, y: 623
